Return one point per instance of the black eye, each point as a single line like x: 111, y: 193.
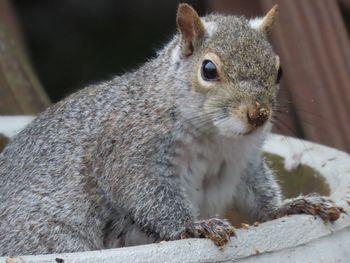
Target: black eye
x: 279, y: 75
x: 209, y: 71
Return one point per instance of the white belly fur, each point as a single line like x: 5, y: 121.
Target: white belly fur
x: 209, y: 186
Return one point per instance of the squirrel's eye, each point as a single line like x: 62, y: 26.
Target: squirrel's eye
x: 209, y: 71
x: 279, y: 75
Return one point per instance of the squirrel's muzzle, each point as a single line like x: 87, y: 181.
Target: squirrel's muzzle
x: 258, y: 115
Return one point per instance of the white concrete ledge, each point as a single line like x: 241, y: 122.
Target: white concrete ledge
x: 11, y: 125
x: 299, y: 238
x: 284, y: 240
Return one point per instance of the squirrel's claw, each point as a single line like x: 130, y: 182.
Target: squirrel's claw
x: 311, y: 204
x: 218, y: 230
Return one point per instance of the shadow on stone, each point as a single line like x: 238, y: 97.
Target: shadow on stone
x: 3, y: 141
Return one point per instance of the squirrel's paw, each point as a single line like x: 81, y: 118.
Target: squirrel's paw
x: 311, y: 204
x: 218, y: 230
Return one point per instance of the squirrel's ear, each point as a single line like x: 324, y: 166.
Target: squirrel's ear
x: 265, y: 24
x: 190, y: 27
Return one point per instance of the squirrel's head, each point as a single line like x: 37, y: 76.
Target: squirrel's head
x: 233, y: 70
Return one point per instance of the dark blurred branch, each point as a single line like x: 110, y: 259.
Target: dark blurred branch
x: 248, y: 8
x: 21, y: 92
x: 345, y: 4
x: 9, y: 19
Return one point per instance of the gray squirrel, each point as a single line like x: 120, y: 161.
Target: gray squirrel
x: 156, y: 154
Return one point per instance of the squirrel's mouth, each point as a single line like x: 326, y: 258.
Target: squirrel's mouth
x: 233, y: 126
x: 246, y: 133
x: 250, y: 131
x: 243, y: 120
x: 237, y: 119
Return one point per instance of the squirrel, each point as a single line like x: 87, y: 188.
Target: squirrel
x: 156, y: 154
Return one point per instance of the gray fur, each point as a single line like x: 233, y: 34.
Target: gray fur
x: 136, y: 159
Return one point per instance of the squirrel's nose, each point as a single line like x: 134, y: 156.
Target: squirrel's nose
x: 258, y: 115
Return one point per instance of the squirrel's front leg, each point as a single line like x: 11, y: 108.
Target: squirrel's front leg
x: 163, y: 210
x: 311, y: 204
x: 159, y: 207
x: 260, y: 196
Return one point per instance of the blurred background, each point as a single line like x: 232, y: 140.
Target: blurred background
x: 49, y: 49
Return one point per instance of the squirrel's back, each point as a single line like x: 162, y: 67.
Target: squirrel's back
x: 45, y: 168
